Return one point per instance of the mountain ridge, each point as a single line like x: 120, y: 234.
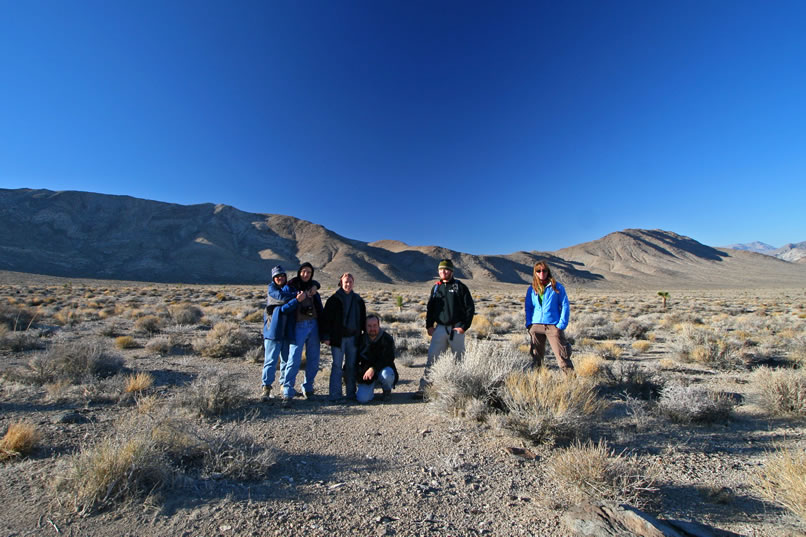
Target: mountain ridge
x: 81, y: 234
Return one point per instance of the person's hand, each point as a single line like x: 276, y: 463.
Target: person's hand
x: 300, y: 296
x: 369, y: 374
x: 459, y: 330
x: 430, y: 331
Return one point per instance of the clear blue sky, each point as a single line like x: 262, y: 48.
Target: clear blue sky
x: 486, y: 127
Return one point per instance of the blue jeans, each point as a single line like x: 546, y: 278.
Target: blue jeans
x: 306, y: 334
x: 274, y: 350
x: 344, y: 359
x: 367, y: 391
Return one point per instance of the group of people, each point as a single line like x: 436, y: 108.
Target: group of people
x: 364, y: 353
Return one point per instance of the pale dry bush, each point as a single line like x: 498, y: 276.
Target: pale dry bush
x: 164, y: 344
x: 14, y: 317
x: 590, y: 365
x: 591, y: 325
x: 586, y: 471
x: 213, y: 394
x: 225, y: 339
x: 641, y: 345
x: 125, y: 342
x: 697, y: 343
x: 148, y: 324
x: 781, y: 392
x: 20, y: 340
x: 479, y: 375
x: 185, y: 314
x: 609, y: 350
x: 694, y: 404
x: 632, y: 328
x: 20, y: 439
x: 546, y: 406
x: 482, y: 327
x: 77, y: 361
x: 782, y: 479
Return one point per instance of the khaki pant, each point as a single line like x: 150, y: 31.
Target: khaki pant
x: 562, y: 349
x: 440, y: 342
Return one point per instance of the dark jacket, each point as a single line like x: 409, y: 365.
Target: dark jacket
x: 278, y: 316
x: 377, y: 355
x: 332, y: 325
x: 450, y: 304
x: 297, y: 284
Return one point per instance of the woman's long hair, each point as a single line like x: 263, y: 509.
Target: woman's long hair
x: 536, y: 285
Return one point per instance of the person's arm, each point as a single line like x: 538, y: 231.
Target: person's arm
x: 565, y: 309
x: 430, y: 313
x: 529, y: 307
x: 327, y: 313
x: 468, y: 308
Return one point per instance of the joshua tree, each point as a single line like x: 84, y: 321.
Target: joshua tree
x: 664, y: 296
x: 399, y: 302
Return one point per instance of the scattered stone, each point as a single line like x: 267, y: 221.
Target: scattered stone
x: 70, y: 417
x: 521, y: 453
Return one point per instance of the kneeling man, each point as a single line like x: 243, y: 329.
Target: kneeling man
x: 376, y: 362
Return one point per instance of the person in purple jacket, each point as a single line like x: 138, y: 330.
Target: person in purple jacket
x: 547, y: 314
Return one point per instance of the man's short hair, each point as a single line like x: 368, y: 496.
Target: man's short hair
x: 374, y: 316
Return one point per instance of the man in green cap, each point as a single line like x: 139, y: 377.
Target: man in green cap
x: 449, y: 314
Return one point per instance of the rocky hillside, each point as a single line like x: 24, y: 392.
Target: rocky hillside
x: 79, y: 234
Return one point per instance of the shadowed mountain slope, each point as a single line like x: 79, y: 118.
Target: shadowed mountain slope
x: 79, y: 234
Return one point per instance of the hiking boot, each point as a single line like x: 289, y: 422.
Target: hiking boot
x: 265, y: 394
x: 309, y: 395
x: 385, y: 395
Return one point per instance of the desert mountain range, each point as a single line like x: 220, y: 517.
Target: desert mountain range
x: 794, y: 251
x: 81, y: 234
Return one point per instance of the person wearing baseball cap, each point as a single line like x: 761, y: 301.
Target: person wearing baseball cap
x: 449, y: 314
x: 279, y: 321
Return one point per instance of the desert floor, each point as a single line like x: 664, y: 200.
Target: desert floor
x: 189, y: 448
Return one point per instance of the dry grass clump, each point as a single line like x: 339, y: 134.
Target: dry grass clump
x: 782, y: 392
x: 641, y: 345
x: 14, y: 317
x: 75, y: 361
x: 696, y: 343
x: 20, y: 340
x: 544, y: 406
x: 163, y: 344
x: 185, y: 314
x: 482, y: 326
x: 148, y: 324
x: 138, y: 382
x: 609, y: 350
x: 632, y: 328
x: 592, y: 326
x: 694, y: 404
x: 125, y: 342
x: 225, y: 339
x: 590, y: 365
x: 20, y: 439
x: 594, y: 471
x: 213, y: 394
x: 782, y: 479
x: 149, y: 453
x: 480, y: 375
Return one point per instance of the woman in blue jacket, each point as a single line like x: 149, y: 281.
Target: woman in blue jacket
x: 547, y: 312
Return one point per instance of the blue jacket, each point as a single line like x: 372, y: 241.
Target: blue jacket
x: 279, y: 320
x: 554, y: 310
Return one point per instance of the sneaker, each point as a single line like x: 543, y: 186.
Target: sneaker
x: 385, y: 395
x: 265, y: 394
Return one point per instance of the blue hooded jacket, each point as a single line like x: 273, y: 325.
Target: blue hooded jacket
x: 555, y: 308
x: 279, y: 320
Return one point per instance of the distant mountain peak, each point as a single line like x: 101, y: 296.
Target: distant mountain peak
x: 755, y: 246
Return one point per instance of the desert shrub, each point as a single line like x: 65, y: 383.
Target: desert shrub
x: 138, y: 382
x: 590, y: 365
x: 224, y: 340
x: 482, y: 326
x: 797, y: 350
x: 782, y: 479
x: 400, y: 317
x: 782, y: 392
x: 591, y: 325
x: 411, y: 345
x: 148, y: 324
x: 15, y: 318
x: 632, y: 328
x: 254, y: 317
x: 20, y: 439
x: 641, y: 345
x: 609, y: 350
x: 20, y: 340
x: 163, y: 344
x: 125, y: 342
x: 75, y: 361
x: 185, y: 314
x: 633, y: 380
x: 213, y: 394
x: 594, y: 471
x: 121, y: 466
x: 694, y: 404
x: 480, y: 375
x: 544, y: 406
x: 700, y: 344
